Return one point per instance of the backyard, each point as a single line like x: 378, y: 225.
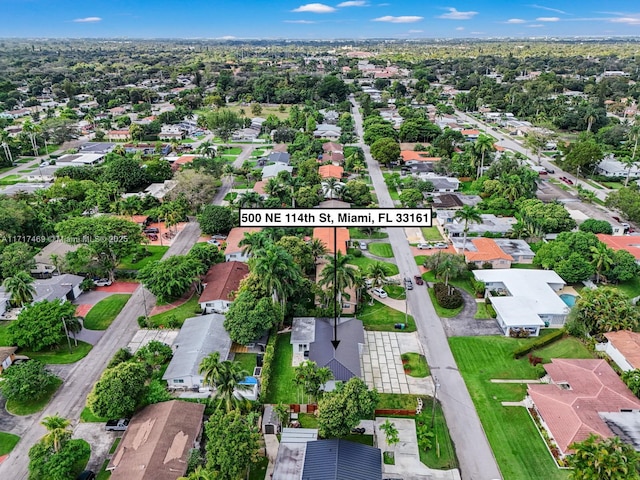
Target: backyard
x: 247, y: 361
x: 281, y: 386
x: 105, y: 311
x: 514, y: 439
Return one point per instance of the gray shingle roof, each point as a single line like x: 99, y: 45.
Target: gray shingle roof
x: 344, y: 361
x: 341, y: 460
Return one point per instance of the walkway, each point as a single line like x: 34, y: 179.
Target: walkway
x: 271, y: 445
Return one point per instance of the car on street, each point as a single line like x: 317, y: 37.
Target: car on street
x: 424, y: 246
x: 119, y: 425
x: 379, y: 292
x: 363, y: 245
x: 550, y: 170
x: 408, y: 284
x: 44, y: 164
x: 102, y: 282
x: 419, y: 280
x: 568, y: 181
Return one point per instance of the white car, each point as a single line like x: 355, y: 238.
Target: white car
x: 102, y: 282
x: 380, y: 292
x: 441, y: 245
x: 425, y: 246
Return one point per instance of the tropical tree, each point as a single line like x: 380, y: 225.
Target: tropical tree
x: 254, y: 241
x: 391, y: 433
x: 20, y: 288
x: 338, y: 268
x: 57, y: 431
x: 601, y: 259
x: 378, y: 272
x: 342, y: 409
x: 446, y: 265
x: 318, y: 249
x: 226, y: 378
x: 603, y: 459
x: 467, y: 213
x: 249, y: 198
x: 223, y: 122
x: 200, y: 473
x: 629, y: 163
x: 32, y: 130
x: 332, y: 188
x: 604, y: 309
x: 277, y: 271
x: 209, y: 368
x: 483, y: 146
x: 312, y: 378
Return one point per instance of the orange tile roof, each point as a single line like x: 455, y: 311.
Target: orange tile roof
x: 628, y: 344
x: 572, y: 414
x: 185, y: 159
x: 258, y: 187
x: 470, y: 132
x: 408, y: 155
x: 325, y: 235
x: 331, y: 171
x: 499, y: 148
x: 486, y: 250
x: 235, y: 237
x: 626, y: 242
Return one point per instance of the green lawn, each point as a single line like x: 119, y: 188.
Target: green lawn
x: 441, y: 311
x: 61, y: 355
x: 184, y: 311
x: 104, y: 474
x: 258, y: 470
x: 281, y: 386
x: 397, y: 401
x: 27, y: 408
x: 231, y: 196
x: 363, y: 263
x: 105, y: 311
x: 612, y: 185
x: 7, y: 442
x: 309, y: 420
x: 416, y: 365
x: 357, y: 234
x: 484, y: 312
x: 516, y: 443
x: 114, y: 446
x: 420, y: 259
x: 431, y: 234
x: 156, y: 251
x: 381, y: 250
x: 525, y: 266
x: 87, y: 416
x: 395, y: 291
x: 378, y: 317
x: 246, y: 360
x: 4, y: 334
x: 463, y: 283
x: 631, y: 288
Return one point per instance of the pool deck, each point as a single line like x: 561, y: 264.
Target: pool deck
x: 569, y: 291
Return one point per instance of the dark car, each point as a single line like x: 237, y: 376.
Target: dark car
x: 152, y: 230
x: 119, y: 425
x: 86, y: 475
x: 419, y: 280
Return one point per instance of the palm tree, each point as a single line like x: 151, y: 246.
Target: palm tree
x: 208, y: 149
x: 249, y: 199
x: 209, y: 368
x: 253, y: 241
x: 483, y: 145
x: 20, y: 288
x: 629, y: 163
x: 468, y: 213
x: 58, y: 431
x: 601, y: 259
x: 378, y: 272
x: 31, y: 129
x: 229, y: 380
x: 200, y: 474
x: 277, y: 271
x: 4, y: 141
x: 344, y: 274
x: 318, y: 249
x: 450, y: 267
x: 332, y: 188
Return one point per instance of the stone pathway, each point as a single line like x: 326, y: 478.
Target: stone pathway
x: 382, y: 364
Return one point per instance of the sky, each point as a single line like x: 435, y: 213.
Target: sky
x: 350, y: 19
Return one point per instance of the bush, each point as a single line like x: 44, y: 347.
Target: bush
x: 122, y: 355
x: 539, y: 343
x: 265, y: 374
x: 87, y: 284
x: 447, y: 296
x: 519, y: 333
x: 143, y: 322
x: 357, y: 253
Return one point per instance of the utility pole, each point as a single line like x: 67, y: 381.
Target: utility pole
x: 435, y: 396
x: 66, y: 331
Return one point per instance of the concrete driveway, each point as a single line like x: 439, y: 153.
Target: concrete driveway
x: 382, y: 364
x: 100, y: 441
x: 407, y: 456
x: 12, y: 423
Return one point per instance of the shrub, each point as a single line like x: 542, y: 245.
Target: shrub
x: 519, y: 333
x: 539, y: 343
x: 265, y: 375
x: 357, y: 253
x: 87, y: 284
x: 447, y: 296
x: 142, y: 322
x: 122, y: 355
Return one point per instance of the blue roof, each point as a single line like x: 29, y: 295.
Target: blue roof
x: 341, y: 460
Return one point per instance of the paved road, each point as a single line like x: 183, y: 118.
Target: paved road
x: 79, y: 379
x: 472, y: 447
x: 227, y: 183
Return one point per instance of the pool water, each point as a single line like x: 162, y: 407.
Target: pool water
x: 569, y: 299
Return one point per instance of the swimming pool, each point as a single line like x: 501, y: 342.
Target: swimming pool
x: 569, y: 299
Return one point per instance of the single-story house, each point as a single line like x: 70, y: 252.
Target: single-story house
x: 97, y: 147
x: 44, y: 262
x: 525, y: 299
x: 490, y: 224
x: 198, y: 337
x: 410, y: 157
x: 80, y: 159
x: 330, y: 171
x: 623, y: 347
x: 585, y: 396
x: 337, y: 459
x: 470, y: 134
x: 325, y: 130
x: 519, y: 250
x: 259, y: 188
x: 611, y: 167
x: 245, y: 135
x: 221, y: 283
x: 272, y: 170
x: 333, y: 203
x: 279, y: 157
x: 160, y: 190
x: 332, y: 147
x: 326, y: 236
x: 629, y: 243
x: 22, y: 188
x: 7, y: 356
x: 350, y: 296
x: 443, y: 184
x: 158, y: 442
x: 233, y: 250
x: 175, y: 135
x: 314, y: 335
x: 453, y: 200
x: 291, y: 450
x: 60, y: 287
x: 481, y: 251
x: 118, y: 135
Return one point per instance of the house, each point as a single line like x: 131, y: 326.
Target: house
x: 22, y: 188
x: 628, y: 243
x: 44, y: 258
x: 337, y: 459
x: 172, y: 135
x: 291, y: 451
x: 410, y: 157
x: 611, y: 167
x: 442, y: 184
x: 483, y: 251
x: 333, y: 204
x: 330, y: 171
x: 272, y: 170
x: 80, y: 159
x: 349, y: 298
x: 519, y: 250
x: 160, y: 190
x: 311, y: 337
x: 326, y: 236
x: 325, y: 130
x: 97, y: 147
x: 623, y: 347
x: 333, y: 152
x: 470, y: 134
x: 7, y: 356
x: 221, y: 283
x: 118, y: 135
x: 583, y: 397
x: 450, y: 201
x: 4, y: 302
x: 279, y: 157
x: 198, y: 337
x: 60, y: 287
x: 332, y: 147
x: 245, y: 135
x: 233, y: 250
x: 158, y: 442
x: 524, y: 299
x: 259, y: 188
x: 44, y: 174
x: 490, y: 224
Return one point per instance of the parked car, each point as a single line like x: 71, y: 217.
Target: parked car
x: 368, y: 283
x: 419, y: 280
x: 550, y: 170
x: 151, y: 230
x: 408, y: 284
x: 213, y: 241
x: 569, y: 181
x: 86, y: 475
x: 363, y: 245
x: 441, y: 245
x: 44, y: 164
x: 102, y: 282
x: 425, y: 246
x: 380, y: 292
x: 119, y: 425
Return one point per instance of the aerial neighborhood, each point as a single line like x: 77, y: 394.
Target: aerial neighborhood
x: 146, y: 334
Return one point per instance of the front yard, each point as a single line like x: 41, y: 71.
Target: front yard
x: 33, y: 406
x: 363, y: 263
x: 61, y: 355
x: 156, y: 251
x: 378, y: 317
x: 514, y: 439
x: 179, y: 314
x: 7, y: 442
x: 381, y: 250
x: 105, y: 311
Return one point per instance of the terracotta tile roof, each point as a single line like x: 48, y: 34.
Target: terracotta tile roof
x: 280, y: 147
x: 142, y: 219
x: 235, y: 237
x: 157, y: 442
x: 118, y: 132
x: 499, y: 148
x: 332, y: 147
x: 486, y: 250
x: 410, y: 155
x: 623, y: 242
x: 222, y: 279
x: 470, y: 132
x: 325, y: 235
x: 572, y: 413
x: 330, y: 171
x: 628, y: 344
x: 185, y: 159
x: 258, y: 187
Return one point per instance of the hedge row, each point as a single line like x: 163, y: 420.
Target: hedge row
x: 447, y: 296
x: 265, y: 374
x: 539, y: 343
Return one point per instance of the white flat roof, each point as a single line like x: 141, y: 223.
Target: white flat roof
x: 517, y: 311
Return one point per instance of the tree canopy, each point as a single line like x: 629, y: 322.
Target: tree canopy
x: 119, y: 390
x: 40, y: 325
x: 343, y: 408
x: 249, y: 317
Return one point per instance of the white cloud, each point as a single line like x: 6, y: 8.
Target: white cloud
x: 314, y: 8
x: 627, y: 20
x: 88, y: 20
x: 353, y: 3
x: 228, y: 37
x: 459, y: 28
x: 549, y: 9
x: 401, y: 19
x: 456, y: 15
x: 302, y: 22
x: 416, y: 31
x: 535, y: 25
x: 547, y: 19
x: 516, y: 20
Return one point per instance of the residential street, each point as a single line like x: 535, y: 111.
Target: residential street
x: 472, y: 447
